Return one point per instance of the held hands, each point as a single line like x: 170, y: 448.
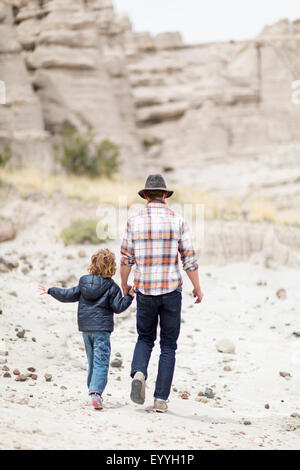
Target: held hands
x: 197, y: 292
x: 126, y: 289
x: 44, y: 290
x: 132, y: 292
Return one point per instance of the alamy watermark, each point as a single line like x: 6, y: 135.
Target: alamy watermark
x: 113, y: 219
x: 2, y: 92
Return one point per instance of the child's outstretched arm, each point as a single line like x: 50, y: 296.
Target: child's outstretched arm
x: 63, y: 295
x: 117, y: 302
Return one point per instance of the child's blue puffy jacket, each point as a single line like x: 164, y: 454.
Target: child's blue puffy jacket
x: 99, y: 298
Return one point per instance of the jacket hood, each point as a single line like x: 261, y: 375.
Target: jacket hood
x: 93, y: 286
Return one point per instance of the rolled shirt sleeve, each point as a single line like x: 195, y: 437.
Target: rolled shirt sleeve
x: 127, y: 249
x: 186, y: 250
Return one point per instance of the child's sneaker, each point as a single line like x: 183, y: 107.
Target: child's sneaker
x: 97, y: 401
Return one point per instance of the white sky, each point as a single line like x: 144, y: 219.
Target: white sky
x: 207, y: 20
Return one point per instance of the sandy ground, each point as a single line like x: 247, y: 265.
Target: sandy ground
x: 240, y: 304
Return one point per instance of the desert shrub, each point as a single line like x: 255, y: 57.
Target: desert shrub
x: 80, y: 155
x: 147, y: 144
x: 85, y: 231
x: 5, y: 156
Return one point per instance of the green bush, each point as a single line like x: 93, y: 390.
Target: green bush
x: 85, y: 231
x: 5, y: 156
x: 80, y: 155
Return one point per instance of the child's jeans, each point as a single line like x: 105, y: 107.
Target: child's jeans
x: 97, y: 346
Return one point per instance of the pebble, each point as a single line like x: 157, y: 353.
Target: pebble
x: 16, y: 372
x: 13, y: 293
x: 31, y: 369
x: 209, y: 393
x: 118, y: 354
x: 33, y: 376
x: 21, y: 333
x: 267, y: 406
x: 116, y: 362
x: 227, y: 369
x: 48, y: 377
x: 296, y: 333
x: 6, y: 375
x: 184, y: 396
x: 81, y: 254
x: 21, y: 378
x: 247, y: 422
x: 295, y: 415
x: 5, y: 368
x: 225, y: 346
x: 285, y: 374
x: 281, y: 294
x: 25, y: 270
x: 3, y: 353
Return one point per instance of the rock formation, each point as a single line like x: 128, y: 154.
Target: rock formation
x: 218, y: 115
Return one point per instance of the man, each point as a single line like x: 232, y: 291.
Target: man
x: 152, y: 241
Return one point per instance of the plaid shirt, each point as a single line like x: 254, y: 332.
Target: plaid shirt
x: 152, y: 240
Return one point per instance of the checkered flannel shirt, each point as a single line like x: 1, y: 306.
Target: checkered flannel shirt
x: 152, y: 240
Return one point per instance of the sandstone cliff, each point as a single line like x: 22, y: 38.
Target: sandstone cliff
x: 217, y: 115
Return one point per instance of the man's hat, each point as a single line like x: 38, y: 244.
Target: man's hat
x: 155, y: 182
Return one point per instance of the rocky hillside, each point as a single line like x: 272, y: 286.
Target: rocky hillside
x: 218, y: 115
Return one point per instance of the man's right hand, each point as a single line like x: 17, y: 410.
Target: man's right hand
x: 197, y: 292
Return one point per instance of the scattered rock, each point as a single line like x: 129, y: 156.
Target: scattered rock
x: 31, y: 369
x: 118, y: 378
x: 200, y: 394
x: 48, y: 377
x: 247, y: 422
x: 21, y: 378
x: 6, y: 375
x: 5, y: 368
x: 7, y: 230
x: 25, y: 270
x: 118, y: 354
x: 63, y: 387
x: 175, y: 389
x: 13, y: 293
x: 296, y: 333
x: 21, y: 333
x: 281, y: 294
x: 267, y: 406
x: 33, y: 339
x: 184, y: 396
x: 209, y: 393
x: 116, y: 362
x: 227, y: 368
x: 3, y: 353
x: 33, y: 376
x: 285, y: 374
x: 81, y: 254
x: 295, y: 415
x: 225, y: 346
x: 16, y: 372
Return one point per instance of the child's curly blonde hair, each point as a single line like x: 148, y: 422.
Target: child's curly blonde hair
x: 103, y: 263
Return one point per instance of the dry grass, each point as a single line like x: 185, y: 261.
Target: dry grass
x: 108, y: 191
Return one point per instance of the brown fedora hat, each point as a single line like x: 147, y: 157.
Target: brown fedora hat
x: 155, y: 182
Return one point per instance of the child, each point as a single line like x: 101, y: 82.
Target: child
x: 99, y: 298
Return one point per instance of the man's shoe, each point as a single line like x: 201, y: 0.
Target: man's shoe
x: 160, y: 406
x: 97, y: 401
x: 138, y: 386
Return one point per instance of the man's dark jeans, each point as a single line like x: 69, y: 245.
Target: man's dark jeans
x: 167, y: 308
